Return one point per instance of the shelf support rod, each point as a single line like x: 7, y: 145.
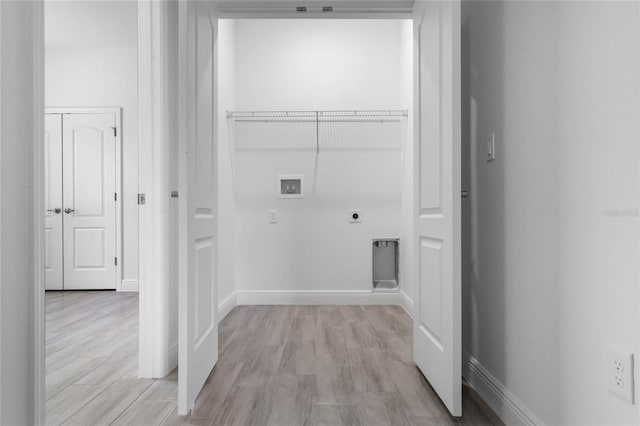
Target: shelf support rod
x: 317, y: 133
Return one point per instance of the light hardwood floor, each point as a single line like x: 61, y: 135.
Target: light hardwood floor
x: 278, y: 365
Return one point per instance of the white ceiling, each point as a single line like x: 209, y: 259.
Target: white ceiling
x: 114, y: 23
x: 90, y: 23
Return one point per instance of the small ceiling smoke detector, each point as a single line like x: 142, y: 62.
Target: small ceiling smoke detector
x: 327, y: 8
x: 301, y: 9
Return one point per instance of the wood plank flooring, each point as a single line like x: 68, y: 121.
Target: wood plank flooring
x: 278, y: 366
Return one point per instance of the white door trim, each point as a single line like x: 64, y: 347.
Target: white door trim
x: 638, y: 236
x: 156, y: 127
x: 38, y: 315
x: 117, y: 112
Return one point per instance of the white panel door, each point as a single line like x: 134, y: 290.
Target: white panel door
x: 89, y: 208
x: 53, y: 201
x: 437, y: 323
x: 198, y: 324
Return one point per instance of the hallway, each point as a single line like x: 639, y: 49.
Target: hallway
x: 92, y: 363
x: 278, y: 365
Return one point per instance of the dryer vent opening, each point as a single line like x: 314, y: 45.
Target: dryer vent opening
x: 385, y: 264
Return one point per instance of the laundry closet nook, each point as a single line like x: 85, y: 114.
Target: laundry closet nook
x: 315, y: 161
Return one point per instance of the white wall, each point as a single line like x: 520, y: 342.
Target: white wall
x: 21, y: 301
x: 317, y: 65
x: 552, y: 276
x: 226, y: 200
x: 101, y: 75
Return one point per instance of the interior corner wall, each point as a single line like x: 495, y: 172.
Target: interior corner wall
x: 552, y: 273
x: 226, y: 198
x: 316, y: 65
x: 408, y: 287
x: 104, y: 77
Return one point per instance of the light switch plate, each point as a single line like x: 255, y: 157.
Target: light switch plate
x: 620, y: 372
x: 491, y: 147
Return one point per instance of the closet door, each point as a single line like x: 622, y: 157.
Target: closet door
x: 89, y: 208
x: 198, y: 305
x: 53, y: 201
x: 438, y: 317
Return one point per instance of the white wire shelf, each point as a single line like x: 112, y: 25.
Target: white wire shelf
x: 293, y: 135
x: 353, y: 116
x: 344, y: 130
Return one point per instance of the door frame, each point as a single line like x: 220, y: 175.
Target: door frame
x: 117, y: 112
x: 158, y: 350
x: 150, y: 342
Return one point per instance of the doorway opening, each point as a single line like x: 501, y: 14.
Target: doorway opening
x: 299, y: 204
x: 91, y: 218
x: 434, y: 220
x: 332, y: 106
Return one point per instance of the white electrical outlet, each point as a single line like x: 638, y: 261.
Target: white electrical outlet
x: 355, y: 216
x: 273, y: 216
x: 491, y: 147
x: 620, y: 372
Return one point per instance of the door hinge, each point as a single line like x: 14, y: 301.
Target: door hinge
x: 115, y: 131
x: 115, y: 261
x: 141, y: 199
x: 115, y: 196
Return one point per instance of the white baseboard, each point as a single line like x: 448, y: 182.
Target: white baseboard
x: 129, y: 285
x: 344, y: 297
x: 227, y: 306
x: 505, y: 404
x: 407, y: 303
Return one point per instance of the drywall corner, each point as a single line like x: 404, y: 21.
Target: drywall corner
x: 407, y: 304
x: 226, y: 306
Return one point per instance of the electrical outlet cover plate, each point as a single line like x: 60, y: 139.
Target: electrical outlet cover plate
x: 620, y: 373
x: 273, y: 216
x: 290, y: 186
